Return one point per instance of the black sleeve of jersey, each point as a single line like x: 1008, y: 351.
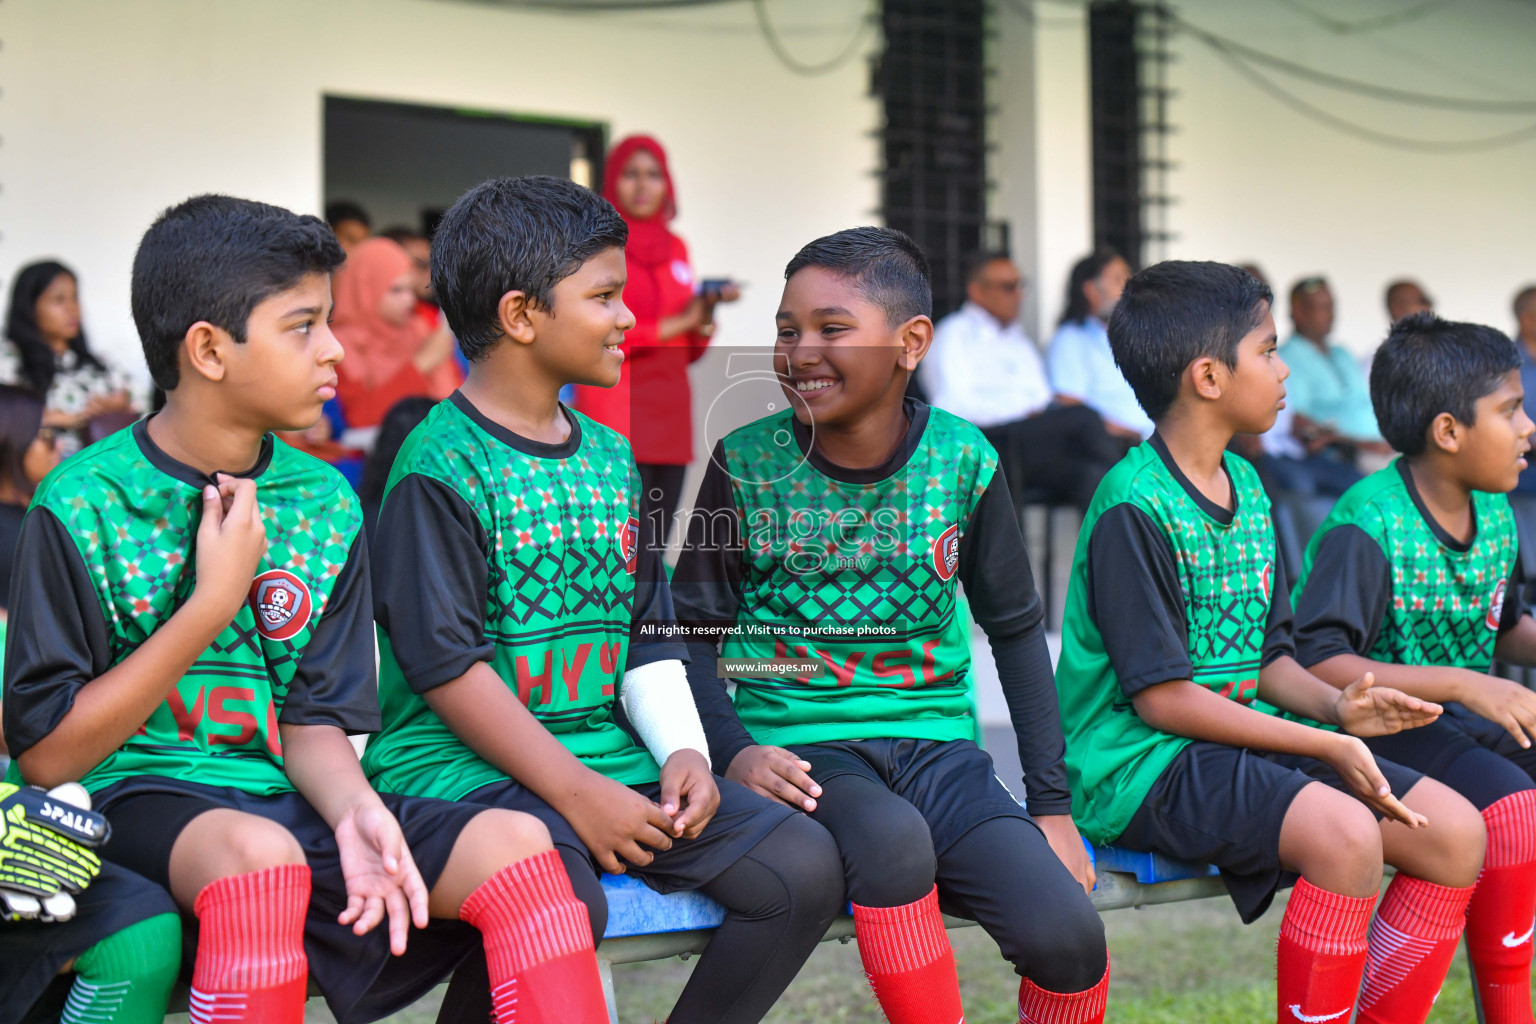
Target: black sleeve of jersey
x: 57, y: 639
x: 336, y: 681
x: 1280, y: 626
x: 706, y: 585
x: 429, y: 588
x: 1341, y: 610
x: 1135, y: 598
x: 652, y: 608
x: 727, y: 736
x: 994, y: 569
x: 1514, y: 596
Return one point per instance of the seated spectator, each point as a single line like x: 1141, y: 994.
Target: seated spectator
x: 45, y: 351
x: 389, y: 354
x: 1326, y: 392
x: 1083, y: 369
x: 983, y: 367
x: 1405, y: 298
x: 419, y: 249
x: 350, y: 222
x: 28, y: 450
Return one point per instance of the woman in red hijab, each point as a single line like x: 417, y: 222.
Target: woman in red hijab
x: 390, y: 354
x: 651, y: 404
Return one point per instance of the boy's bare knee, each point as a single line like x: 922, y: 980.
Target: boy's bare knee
x: 257, y: 844
x: 513, y: 835
x: 223, y: 843
x: 1463, y: 841
x: 1334, y: 841
x: 1448, y: 852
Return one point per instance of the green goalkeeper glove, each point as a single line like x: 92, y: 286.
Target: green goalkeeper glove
x: 46, y: 843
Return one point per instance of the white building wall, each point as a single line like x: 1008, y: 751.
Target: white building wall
x: 111, y: 110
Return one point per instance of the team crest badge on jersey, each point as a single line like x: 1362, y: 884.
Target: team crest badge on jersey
x: 1496, y: 606
x: 629, y: 544
x: 282, y: 604
x: 946, y: 553
x: 1266, y: 581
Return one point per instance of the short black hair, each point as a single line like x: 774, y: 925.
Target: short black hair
x: 340, y: 210
x: 522, y: 234
x: 1428, y: 366
x: 886, y: 266
x: 979, y: 261
x: 1178, y: 311
x: 215, y: 258
x: 1308, y: 285
x: 1400, y: 284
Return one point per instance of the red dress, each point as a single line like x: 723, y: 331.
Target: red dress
x: 652, y: 404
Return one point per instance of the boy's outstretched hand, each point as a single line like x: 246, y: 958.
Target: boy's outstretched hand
x: 689, y: 795
x: 1352, y: 759
x: 1365, y: 709
x: 380, y: 874
x: 613, y: 821
x: 1061, y: 832
x: 777, y: 774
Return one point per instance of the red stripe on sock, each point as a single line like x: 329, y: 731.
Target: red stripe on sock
x: 1039, y: 1006
x: 909, y: 962
x: 1501, y: 915
x: 538, y: 945
x: 251, y: 944
x: 1412, y: 942
x: 1321, y: 954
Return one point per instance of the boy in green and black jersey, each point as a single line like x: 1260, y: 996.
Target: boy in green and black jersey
x: 1415, y: 576
x: 839, y: 530
x: 513, y: 599
x: 190, y: 635
x: 1178, y: 619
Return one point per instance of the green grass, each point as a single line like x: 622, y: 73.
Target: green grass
x: 1172, y: 964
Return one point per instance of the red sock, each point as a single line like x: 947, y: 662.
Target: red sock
x: 538, y: 945
x: 1321, y: 954
x: 908, y: 961
x: 1412, y: 942
x: 1499, y: 920
x: 250, y: 950
x: 1037, y: 1006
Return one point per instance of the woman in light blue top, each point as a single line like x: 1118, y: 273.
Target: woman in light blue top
x: 1080, y: 363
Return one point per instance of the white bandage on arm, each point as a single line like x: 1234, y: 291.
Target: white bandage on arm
x: 660, y: 706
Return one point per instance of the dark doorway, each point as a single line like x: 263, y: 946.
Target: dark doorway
x: 405, y: 163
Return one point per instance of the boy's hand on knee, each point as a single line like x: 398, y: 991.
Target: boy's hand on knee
x: 777, y: 774
x: 1352, y: 759
x: 613, y: 821
x: 381, y: 876
x: 1061, y: 832
x: 689, y: 795
x: 1365, y: 709
x: 1503, y: 701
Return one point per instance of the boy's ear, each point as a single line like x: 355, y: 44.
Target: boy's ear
x: 206, y: 351
x: 1445, y: 433
x: 512, y: 316
x: 916, y: 336
x: 1206, y: 378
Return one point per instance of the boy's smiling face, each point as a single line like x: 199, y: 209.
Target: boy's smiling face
x: 579, y: 334
x: 1491, y: 450
x: 836, y: 352
x: 285, y: 371
x: 1256, y: 392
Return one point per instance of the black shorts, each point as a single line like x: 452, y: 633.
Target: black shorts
x: 359, y: 977
x: 1224, y: 805
x: 743, y: 820
x: 32, y: 954
x: 1475, y: 757
x: 952, y: 783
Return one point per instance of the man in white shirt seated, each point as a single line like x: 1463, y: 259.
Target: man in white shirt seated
x: 1082, y: 366
x: 984, y: 368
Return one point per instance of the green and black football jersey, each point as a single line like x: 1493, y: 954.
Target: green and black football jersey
x: 107, y: 555
x: 1398, y: 588
x: 789, y: 556
x: 493, y: 547
x: 1166, y: 585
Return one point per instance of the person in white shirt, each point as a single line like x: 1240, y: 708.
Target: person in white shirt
x: 1083, y: 369
x: 983, y: 367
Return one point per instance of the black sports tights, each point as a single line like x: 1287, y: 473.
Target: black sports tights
x: 1002, y: 874
x: 780, y: 897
